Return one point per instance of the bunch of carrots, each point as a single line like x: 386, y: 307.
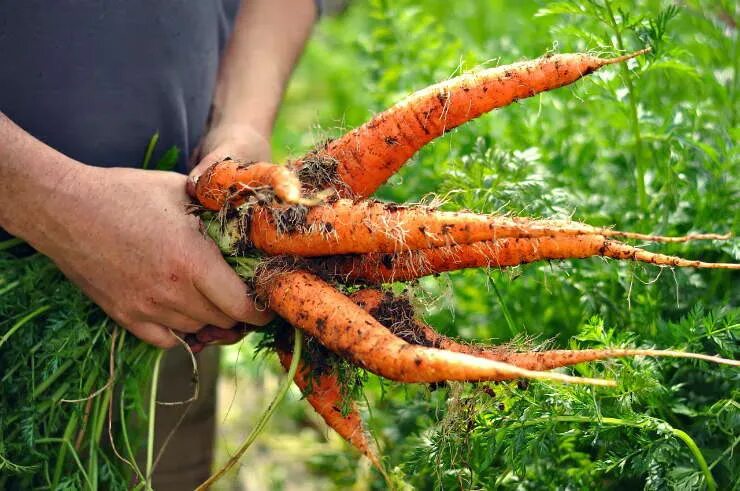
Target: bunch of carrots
x: 311, y: 232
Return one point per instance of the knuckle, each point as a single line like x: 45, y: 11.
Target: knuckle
x: 239, y: 311
x: 147, y: 306
x: 190, y: 326
x: 122, y: 317
x: 261, y: 318
x: 165, y: 343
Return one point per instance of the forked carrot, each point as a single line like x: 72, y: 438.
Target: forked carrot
x: 309, y: 303
x: 367, y: 156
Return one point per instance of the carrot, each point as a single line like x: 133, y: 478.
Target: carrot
x: 383, y: 268
x: 367, y: 156
x: 348, y: 227
x: 310, y: 304
x: 231, y: 181
x: 323, y: 392
x: 397, y: 314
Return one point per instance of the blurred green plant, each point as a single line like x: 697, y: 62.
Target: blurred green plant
x: 648, y: 146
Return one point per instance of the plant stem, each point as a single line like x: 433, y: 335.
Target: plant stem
x: 9, y: 287
x: 52, y: 378
x: 23, y: 321
x: 62, y: 454
x: 7, y: 244
x: 504, y: 308
x: 150, y: 150
x: 74, y: 454
x: 634, y: 120
x: 694, y: 448
x: 152, y: 414
x: 297, y: 346
x: 680, y: 434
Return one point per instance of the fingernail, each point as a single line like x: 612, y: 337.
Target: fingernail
x: 190, y: 187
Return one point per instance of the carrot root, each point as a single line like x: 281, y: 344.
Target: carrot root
x: 367, y: 156
x: 230, y: 182
x: 349, y: 227
x: 397, y: 314
x: 323, y: 392
x: 314, y: 306
x: 386, y: 268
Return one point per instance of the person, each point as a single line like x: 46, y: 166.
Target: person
x: 84, y: 85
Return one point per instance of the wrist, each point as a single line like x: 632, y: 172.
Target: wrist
x: 44, y: 196
x: 236, y: 127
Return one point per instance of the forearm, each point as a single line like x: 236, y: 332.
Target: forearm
x: 267, y: 39
x: 30, y: 177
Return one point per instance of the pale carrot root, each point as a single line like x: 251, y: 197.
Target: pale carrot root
x: 617, y: 250
x: 370, y: 154
x: 310, y: 304
x: 662, y: 238
x: 323, y: 392
x: 230, y: 182
x: 386, y: 268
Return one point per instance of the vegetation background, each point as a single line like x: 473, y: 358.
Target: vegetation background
x: 649, y: 147
x: 646, y: 147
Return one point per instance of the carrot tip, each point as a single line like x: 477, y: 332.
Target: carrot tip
x: 629, y: 56
x: 568, y: 379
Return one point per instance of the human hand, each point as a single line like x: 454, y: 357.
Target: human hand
x: 239, y: 142
x: 123, y: 236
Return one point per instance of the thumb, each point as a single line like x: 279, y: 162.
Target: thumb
x: 199, y: 169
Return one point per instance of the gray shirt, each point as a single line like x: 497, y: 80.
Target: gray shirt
x: 95, y: 79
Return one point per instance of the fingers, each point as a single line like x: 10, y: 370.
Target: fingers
x: 205, y: 163
x: 211, y: 335
x: 215, y: 335
x: 155, y: 334
x: 178, y: 321
x: 205, y: 312
x: 222, y: 286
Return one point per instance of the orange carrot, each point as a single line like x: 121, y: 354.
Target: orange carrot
x: 323, y: 392
x: 310, y: 304
x: 383, y: 268
x: 397, y: 314
x: 348, y: 227
x: 367, y: 156
x: 231, y: 181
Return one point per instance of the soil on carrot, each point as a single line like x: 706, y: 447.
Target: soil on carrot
x: 398, y: 315
x: 318, y: 170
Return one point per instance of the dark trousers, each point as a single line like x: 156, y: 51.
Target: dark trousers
x: 186, y: 461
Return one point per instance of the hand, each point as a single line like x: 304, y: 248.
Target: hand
x: 123, y: 236
x: 236, y: 141
x: 239, y: 142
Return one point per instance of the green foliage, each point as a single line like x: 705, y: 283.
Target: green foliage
x: 648, y: 146
x: 57, y: 385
